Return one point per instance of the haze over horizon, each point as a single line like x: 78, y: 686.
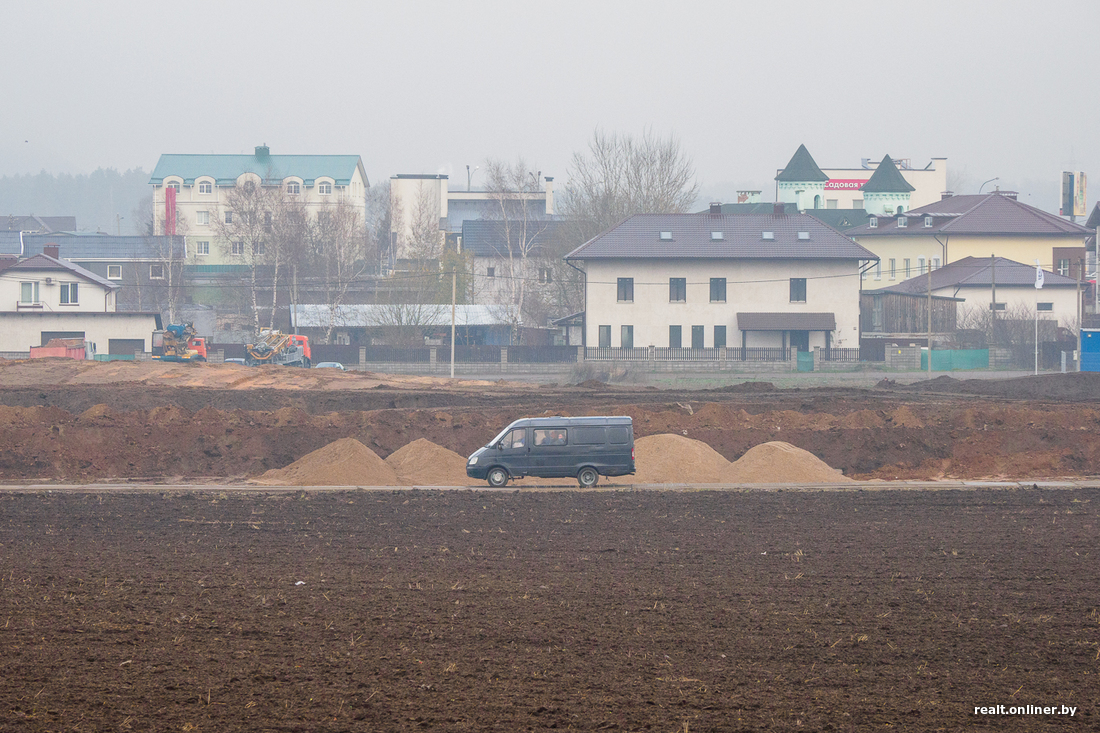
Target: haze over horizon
x: 998, y: 88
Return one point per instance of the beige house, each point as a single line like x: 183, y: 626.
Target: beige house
x: 200, y: 184
x: 44, y: 297
x: 714, y: 280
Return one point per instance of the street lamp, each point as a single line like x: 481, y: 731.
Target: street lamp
x: 469, y: 175
x: 989, y: 181
x: 118, y: 223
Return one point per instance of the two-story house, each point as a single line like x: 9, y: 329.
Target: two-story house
x: 43, y: 297
x: 718, y: 280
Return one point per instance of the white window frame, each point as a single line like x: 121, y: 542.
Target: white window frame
x: 68, y: 289
x: 114, y: 272
x: 293, y: 188
x: 203, y: 218
x: 324, y: 189
x: 35, y: 293
x: 174, y: 184
x: 872, y: 223
x: 228, y: 217
x: 237, y: 249
x: 878, y: 269
x: 921, y: 263
x: 202, y: 248
x: 206, y: 187
x: 152, y: 271
x: 927, y: 222
x: 903, y: 222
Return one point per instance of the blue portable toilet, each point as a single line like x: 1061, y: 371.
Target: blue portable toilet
x: 1090, y: 350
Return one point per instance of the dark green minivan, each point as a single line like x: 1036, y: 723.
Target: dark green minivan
x: 556, y: 447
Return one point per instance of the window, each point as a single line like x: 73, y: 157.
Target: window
x: 928, y: 222
x: 767, y: 235
x: 69, y: 294
x: 175, y: 185
x: 515, y: 439
x: 908, y: 272
x: 1063, y: 267
x: 28, y: 293
x: 605, y: 337
x: 878, y: 270
x: 202, y: 248
x: 324, y: 188
x: 267, y: 221
x: 156, y: 272
x: 490, y: 272
x: 872, y: 223
x: 229, y: 217
x: 550, y: 436
x: 206, y: 187
x: 718, y: 290
x: 893, y: 268
x: 666, y: 236
x: 903, y: 222
x: 831, y: 203
x: 920, y: 265
x: 203, y: 218
x: 258, y: 248
x: 857, y: 203
x: 238, y: 249
x: 675, y: 337
x: 626, y: 337
x: 803, y: 235
x: 589, y: 436
x: 935, y: 263
x: 677, y: 290
x: 626, y: 290
x: 719, y: 337
x: 114, y: 272
x: 696, y: 337
x: 1044, y: 306
x: 798, y: 290
x: 717, y: 236
x: 294, y: 188
x: 545, y: 275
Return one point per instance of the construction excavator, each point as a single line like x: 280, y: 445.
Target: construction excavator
x: 275, y: 347
x: 179, y: 342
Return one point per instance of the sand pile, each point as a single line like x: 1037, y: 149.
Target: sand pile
x: 674, y: 459
x: 345, y: 462
x: 780, y: 463
x: 423, y: 463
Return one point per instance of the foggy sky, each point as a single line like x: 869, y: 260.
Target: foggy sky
x: 1001, y: 88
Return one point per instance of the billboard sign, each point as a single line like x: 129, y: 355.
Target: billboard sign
x: 845, y: 184
x: 1074, y: 186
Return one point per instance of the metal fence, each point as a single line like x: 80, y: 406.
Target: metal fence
x: 653, y: 353
x: 395, y: 354
x: 542, y: 354
x: 848, y: 356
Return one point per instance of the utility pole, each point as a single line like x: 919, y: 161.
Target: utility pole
x: 993, y: 305
x: 1080, y: 309
x: 929, y: 320
x: 454, y: 283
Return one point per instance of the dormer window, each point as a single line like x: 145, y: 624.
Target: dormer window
x: 872, y: 223
x: 928, y: 222
x: 767, y: 235
x: 293, y: 188
x: 666, y: 236
x: 803, y: 235
x: 173, y: 185
x: 206, y: 187
x: 324, y: 189
x: 903, y: 222
x: 717, y: 236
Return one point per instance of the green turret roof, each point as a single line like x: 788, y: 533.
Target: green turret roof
x: 802, y: 168
x: 886, y: 179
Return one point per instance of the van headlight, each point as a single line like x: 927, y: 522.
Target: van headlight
x: 473, y: 460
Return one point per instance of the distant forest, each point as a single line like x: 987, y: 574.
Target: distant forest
x: 97, y: 199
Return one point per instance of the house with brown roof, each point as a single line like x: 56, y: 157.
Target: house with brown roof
x: 957, y: 227
x: 714, y: 280
x: 44, y: 297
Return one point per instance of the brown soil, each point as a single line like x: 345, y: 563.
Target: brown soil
x: 78, y: 421
x: 526, y: 611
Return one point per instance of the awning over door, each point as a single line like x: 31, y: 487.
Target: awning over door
x: 786, y: 321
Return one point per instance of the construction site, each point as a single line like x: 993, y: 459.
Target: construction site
x: 199, y: 546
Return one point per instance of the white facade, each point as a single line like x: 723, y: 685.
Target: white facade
x: 1060, y: 302
x: 751, y: 286
x: 842, y: 189
x: 52, y: 288
x: 20, y: 331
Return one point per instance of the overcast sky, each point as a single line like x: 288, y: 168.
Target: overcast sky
x: 1002, y: 88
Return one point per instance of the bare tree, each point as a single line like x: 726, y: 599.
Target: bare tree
x: 621, y: 176
x: 425, y: 239
x: 244, y: 229
x: 340, y: 252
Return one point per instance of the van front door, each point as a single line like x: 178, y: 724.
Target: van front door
x: 550, y: 454
x: 515, y: 450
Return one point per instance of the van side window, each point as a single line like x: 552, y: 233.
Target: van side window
x: 515, y: 439
x: 589, y: 436
x: 618, y: 436
x: 551, y: 436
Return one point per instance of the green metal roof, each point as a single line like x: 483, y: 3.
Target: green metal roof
x: 887, y: 179
x: 802, y: 168
x: 225, y: 169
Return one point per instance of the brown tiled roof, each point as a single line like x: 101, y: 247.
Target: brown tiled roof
x: 991, y: 213
x: 786, y: 321
x: 742, y: 238
x: 979, y: 272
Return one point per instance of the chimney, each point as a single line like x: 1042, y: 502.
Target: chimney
x: 946, y: 195
x: 715, y: 207
x: 779, y: 209
x: 262, y: 151
x: 52, y: 250
x: 549, y: 195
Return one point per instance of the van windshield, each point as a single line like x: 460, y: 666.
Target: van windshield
x: 500, y: 436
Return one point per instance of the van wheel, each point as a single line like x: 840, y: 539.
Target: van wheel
x: 587, y: 477
x: 497, y: 477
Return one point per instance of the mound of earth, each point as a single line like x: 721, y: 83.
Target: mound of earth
x: 675, y: 459
x: 781, y: 463
x: 345, y: 462
x: 423, y: 463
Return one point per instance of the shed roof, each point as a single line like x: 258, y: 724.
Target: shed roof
x: 786, y: 321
